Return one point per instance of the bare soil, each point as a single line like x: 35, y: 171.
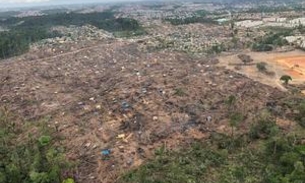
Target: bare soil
x: 281, y: 63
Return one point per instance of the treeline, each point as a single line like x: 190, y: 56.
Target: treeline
x: 7, y: 14
x: 55, y: 11
x: 24, y: 31
x: 190, y: 20
x: 103, y: 20
x: 269, y: 9
x: 271, y: 40
x: 16, y: 42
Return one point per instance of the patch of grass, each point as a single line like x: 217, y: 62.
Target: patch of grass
x: 180, y: 92
x: 31, y: 159
x: 186, y: 165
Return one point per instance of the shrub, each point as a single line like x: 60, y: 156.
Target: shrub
x: 263, y: 129
x: 286, y: 79
x: 68, y: 181
x: 261, y: 66
x: 261, y: 47
x: 246, y: 59
x: 44, y: 140
x: 300, y: 118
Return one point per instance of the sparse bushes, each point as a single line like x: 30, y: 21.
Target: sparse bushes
x: 274, y: 159
x: 261, y: 66
x: 180, y: 92
x: 265, y: 154
x: 228, y: 143
x: 246, y: 59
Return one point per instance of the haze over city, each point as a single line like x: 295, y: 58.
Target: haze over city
x: 29, y: 3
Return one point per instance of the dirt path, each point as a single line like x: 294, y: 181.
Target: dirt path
x: 69, y: 53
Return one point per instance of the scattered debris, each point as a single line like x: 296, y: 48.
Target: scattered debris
x: 139, y: 114
x: 125, y: 106
x: 130, y: 161
x: 87, y: 145
x: 105, y: 152
x: 121, y: 136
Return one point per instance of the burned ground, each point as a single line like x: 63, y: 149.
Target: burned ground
x: 115, y: 96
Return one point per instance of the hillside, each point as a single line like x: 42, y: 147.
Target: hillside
x: 153, y: 93
x: 113, y: 96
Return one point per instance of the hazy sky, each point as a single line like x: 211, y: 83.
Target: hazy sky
x: 47, y: 2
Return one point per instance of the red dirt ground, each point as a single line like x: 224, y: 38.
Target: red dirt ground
x: 295, y: 65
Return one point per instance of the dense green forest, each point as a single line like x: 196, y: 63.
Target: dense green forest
x: 16, y: 42
x: 103, y: 20
x: 24, y: 31
x: 6, y: 14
